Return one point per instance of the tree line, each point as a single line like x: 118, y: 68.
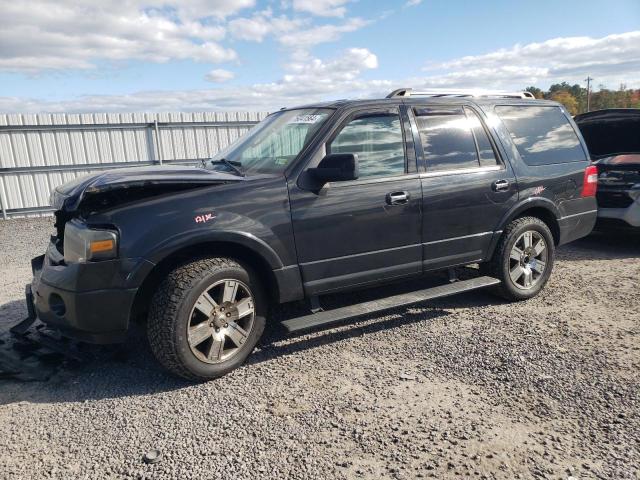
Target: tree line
x: 574, y: 97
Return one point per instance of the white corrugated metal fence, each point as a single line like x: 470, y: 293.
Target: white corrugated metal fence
x: 39, y: 152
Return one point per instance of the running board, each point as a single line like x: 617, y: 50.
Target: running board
x: 351, y: 311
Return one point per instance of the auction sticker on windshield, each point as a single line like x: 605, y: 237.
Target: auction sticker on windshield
x: 310, y: 118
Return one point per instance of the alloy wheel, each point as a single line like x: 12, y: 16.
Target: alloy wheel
x: 221, y: 321
x: 528, y: 259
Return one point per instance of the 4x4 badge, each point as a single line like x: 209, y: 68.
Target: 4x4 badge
x: 204, y: 217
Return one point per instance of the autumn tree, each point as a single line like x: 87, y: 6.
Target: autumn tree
x: 576, y: 91
x: 574, y: 97
x: 566, y: 99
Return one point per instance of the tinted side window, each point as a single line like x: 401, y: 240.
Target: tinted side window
x: 485, y: 149
x: 543, y: 135
x: 446, y: 138
x: 377, y: 139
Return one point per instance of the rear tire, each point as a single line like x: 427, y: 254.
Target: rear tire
x: 205, y: 318
x: 523, y: 259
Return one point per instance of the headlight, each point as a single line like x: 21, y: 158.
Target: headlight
x: 84, y: 244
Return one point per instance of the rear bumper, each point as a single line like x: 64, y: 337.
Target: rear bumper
x: 90, y: 302
x: 630, y: 215
x: 619, y: 197
x: 573, y: 227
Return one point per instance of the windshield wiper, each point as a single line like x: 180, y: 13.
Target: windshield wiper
x: 233, y: 165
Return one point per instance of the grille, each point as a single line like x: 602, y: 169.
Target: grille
x: 62, y: 218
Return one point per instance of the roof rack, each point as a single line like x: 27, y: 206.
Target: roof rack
x: 437, y: 92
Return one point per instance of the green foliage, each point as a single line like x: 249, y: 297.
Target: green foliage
x: 574, y: 97
x: 536, y: 92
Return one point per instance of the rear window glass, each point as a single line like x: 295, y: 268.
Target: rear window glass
x: 543, y: 135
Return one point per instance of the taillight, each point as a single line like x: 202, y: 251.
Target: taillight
x: 590, y: 184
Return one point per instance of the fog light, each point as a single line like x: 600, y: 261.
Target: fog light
x: 56, y: 304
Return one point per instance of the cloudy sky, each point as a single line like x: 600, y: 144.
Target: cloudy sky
x: 194, y: 55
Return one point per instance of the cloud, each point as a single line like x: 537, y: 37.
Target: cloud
x: 38, y: 35
x: 262, y: 24
x: 308, y: 37
x: 412, y: 3
x: 506, y: 76
x: 220, y: 9
x: 307, y: 78
x: 252, y: 29
x: 321, y: 8
x: 345, y: 69
x: 294, y: 33
x: 219, y: 75
x: 609, y: 58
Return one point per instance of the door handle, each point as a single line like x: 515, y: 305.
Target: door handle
x: 398, y: 198
x: 500, y: 185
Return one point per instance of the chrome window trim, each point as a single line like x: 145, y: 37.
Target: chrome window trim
x: 374, y: 179
x: 457, y: 171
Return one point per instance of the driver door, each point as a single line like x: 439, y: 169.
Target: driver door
x: 362, y: 231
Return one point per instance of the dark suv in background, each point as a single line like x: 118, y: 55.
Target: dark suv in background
x: 313, y: 200
x: 613, y: 138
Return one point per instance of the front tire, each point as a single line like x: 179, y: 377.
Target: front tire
x: 523, y: 259
x: 205, y: 318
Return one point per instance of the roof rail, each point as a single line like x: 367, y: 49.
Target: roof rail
x: 443, y: 92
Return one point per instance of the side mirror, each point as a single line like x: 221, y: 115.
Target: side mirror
x: 336, y: 167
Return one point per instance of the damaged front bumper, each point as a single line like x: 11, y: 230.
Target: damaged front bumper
x: 91, y: 301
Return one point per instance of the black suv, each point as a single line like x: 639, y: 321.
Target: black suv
x: 313, y: 200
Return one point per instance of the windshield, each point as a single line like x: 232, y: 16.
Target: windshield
x: 273, y: 144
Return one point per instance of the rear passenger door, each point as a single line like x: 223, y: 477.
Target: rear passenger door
x: 467, y: 187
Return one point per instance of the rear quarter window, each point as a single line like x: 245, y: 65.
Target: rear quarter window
x: 542, y: 135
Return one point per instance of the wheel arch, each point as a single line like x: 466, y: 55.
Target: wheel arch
x: 538, y: 207
x: 244, y: 252
x: 541, y: 208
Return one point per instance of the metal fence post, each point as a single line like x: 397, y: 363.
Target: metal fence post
x: 151, y: 146
x: 3, y: 199
x: 160, y: 153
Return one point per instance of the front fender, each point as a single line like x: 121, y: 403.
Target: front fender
x: 196, y: 237
x: 253, y: 215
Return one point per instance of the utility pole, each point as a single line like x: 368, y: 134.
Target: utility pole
x: 588, y: 79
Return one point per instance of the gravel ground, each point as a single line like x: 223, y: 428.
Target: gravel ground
x: 468, y: 387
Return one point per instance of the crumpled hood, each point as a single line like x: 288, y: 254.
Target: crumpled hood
x: 69, y: 195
